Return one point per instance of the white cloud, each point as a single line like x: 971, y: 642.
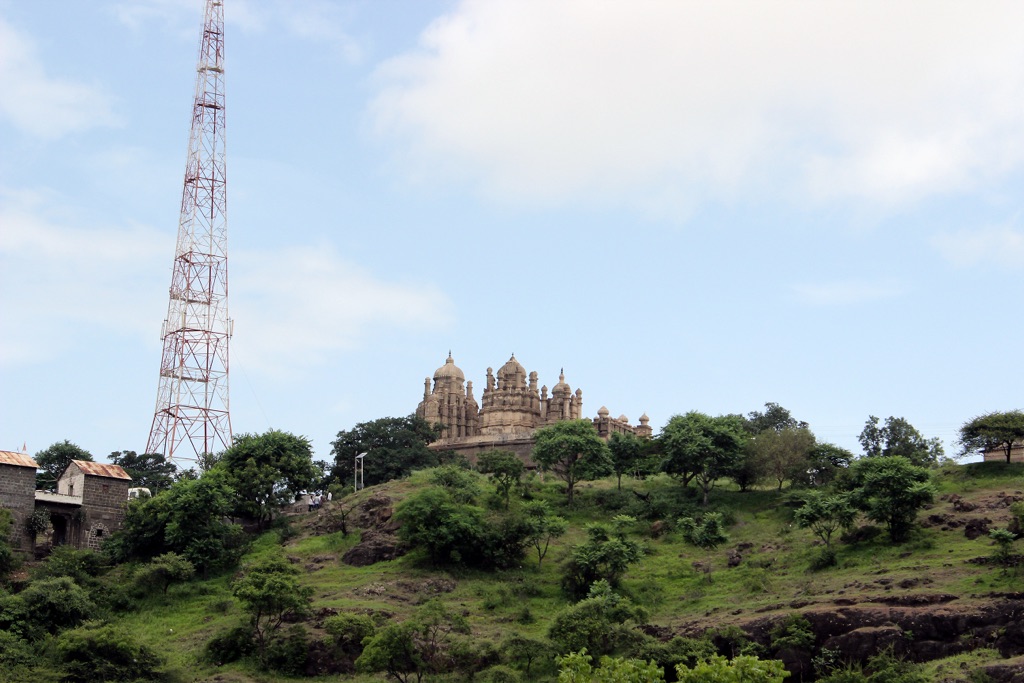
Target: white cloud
x: 847, y: 292
x: 995, y: 245
x: 296, y: 306
x: 62, y: 278
x: 654, y: 103
x: 40, y: 104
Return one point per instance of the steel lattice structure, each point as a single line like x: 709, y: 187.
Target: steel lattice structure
x: 192, y: 416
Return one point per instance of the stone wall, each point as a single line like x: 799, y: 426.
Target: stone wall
x: 104, y: 500
x: 17, y: 493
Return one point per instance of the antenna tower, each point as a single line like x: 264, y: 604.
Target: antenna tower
x: 192, y: 415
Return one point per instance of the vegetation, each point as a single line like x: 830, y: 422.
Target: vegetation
x: 54, y: 460
x: 992, y: 431
x: 573, y: 451
x: 620, y: 590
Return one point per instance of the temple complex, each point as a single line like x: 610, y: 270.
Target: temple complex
x: 511, y: 409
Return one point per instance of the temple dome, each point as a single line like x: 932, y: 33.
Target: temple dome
x: 562, y: 387
x: 449, y: 370
x: 603, y: 412
x: 512, y: 374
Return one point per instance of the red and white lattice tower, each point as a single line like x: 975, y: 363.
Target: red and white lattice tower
x: 192, y: 416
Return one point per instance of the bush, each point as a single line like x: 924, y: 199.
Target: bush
x: 601, y: 624
x: 82, y: 566
x: 55, y: 604
x: 348, y: 631
x: 95, y: 653
x: 498, y: 674
x: 288, y: 652
x: 230, y: 646
x: 707, y: 532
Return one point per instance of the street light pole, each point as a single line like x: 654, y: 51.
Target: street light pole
x: 357, y: 472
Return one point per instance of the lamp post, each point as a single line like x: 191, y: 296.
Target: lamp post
x: 357, y: 472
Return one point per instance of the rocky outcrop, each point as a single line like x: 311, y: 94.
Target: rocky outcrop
x: 373, y: 548
x: 920, y: 633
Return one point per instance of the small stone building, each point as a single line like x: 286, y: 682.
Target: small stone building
x: 103, y: 490
x: 17, y: 494
x: 87, y: 507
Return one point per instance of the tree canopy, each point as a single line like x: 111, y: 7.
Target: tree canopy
x: 889, y: 490
x: 703, y: 448
x: 395, y: 446
x: 898, y: 437
x: 188, y: 519
x: 992, y: 431
x: 148, y: 470
x: 267, y: 471
x: 573, y: 451
x: 54, y: 460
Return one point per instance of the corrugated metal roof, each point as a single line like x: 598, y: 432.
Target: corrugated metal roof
x: 99, y: 469
x: 18, y: 459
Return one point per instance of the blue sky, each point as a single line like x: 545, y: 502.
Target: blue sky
x: 686, y: 205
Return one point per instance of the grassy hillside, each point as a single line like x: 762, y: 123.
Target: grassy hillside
x: 684, y: 589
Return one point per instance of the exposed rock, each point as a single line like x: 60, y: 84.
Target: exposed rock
x: 977, y: 527
x: 374, y: 547
x: 961, y: 505
x: 733, y: 558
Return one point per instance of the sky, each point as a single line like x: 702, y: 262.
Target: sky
x: 686, y: 205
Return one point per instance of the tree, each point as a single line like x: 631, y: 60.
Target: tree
x: 898, y: 437
x: 544, y: 527
x: 149, y: 470
x: 627, y: 451
x: 599, y: 623
x: 784, y: 453
x: 703, y: 448
x: 505, y: 468
x: 166, y: 569
x: 992, y: 431
x: 410, y: 650
x: 267, y: 471
x: 605, y: 556
x: 825, y: 515
x: 270, y: 592
x: 573, y: 451
x: 774, y: 418
x: 188, y: 519
x: 825, y: 462
x: 395, y: 445
x: 54, y: 460
x: 890, y: 490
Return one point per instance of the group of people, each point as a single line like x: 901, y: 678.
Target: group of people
x: 315, y: 500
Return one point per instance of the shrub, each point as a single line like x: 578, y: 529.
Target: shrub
x: 1003, y: 538
x: 55, y: 604
x: 288, y: 652
x: 742, y: 669
x: 95, y: 653
x: 792, y: 633
x: 600, y: 624
x: 348, y: 631
x: 497, y: 674
x: 81, y: 566
x: 605, y: 556
x: 230, y: 646
x: 707, y: 533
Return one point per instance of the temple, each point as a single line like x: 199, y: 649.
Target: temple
x: 511, y: 409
